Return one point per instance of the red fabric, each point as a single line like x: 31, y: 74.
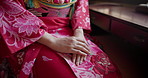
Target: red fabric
x: 55, y: 68
x: 20, y: 2
x: 55, y: 22
x: 15, y: 28
x: 49, y: 64
x: 20, y: 30
x: 81, y: 18
x: 36, y: 51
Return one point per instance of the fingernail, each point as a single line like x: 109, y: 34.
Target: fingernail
x: 85, y: 58
x: 80, y: 62
x: 73, y: 61
x: 77, y: 63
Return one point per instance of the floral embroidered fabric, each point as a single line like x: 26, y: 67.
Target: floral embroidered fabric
x: 20, y: 29
x: 52, y: 12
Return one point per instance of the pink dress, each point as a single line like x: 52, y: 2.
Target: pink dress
x: 20, y: 29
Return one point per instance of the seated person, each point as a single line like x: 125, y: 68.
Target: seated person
x: 49, y: 39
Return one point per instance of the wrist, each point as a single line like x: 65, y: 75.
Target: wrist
x: 78, y: 32
x: 47, y: 39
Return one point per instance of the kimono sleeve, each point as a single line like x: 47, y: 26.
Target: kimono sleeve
x: 80, y: 18
x: 18, y: 27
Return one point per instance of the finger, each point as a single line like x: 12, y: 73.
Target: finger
x: 78, y: 60
x: 85, y: 58
x: 83, y: 44
x: 81, y: 48
x: 83, y: 41
x: 76, y: 51
x: 87, y: 43
x: 81, y: 59
x: 74, y: 58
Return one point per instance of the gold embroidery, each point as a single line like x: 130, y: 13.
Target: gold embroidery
x: 20, y: 57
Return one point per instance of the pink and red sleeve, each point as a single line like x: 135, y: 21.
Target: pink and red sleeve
x: 80, y: 18
x: 18, y: 27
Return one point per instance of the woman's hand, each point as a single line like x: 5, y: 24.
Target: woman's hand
x: 76, y: 58
x: 65, y: 45
x: 70, y: 45
x: 76, y: 45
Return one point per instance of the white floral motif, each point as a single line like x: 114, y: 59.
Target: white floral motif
x: 85, y: 71
x: 83, y: 5
x: 83, y: 9
x: 27, y: 26
x: 46, y: 58
x: 17, y: 25
x: 82, y: 13
x: 87, y: 19
x: 27, y: 67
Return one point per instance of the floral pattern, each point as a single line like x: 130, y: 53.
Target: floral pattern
x: 97, y: 62
x: 102, y: 63
x: 17, y: 26
x: 27, y: 26
x: 27, y: 67
x: 46, y: 58
x: 52, y: 12
x: 81, y: 15
x: 20, y: 56
x: 20, y: 28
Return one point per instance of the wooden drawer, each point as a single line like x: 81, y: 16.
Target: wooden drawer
x: 100, y: 20
x: 130, y: 33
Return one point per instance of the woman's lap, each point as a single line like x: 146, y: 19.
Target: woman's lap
x: 50, y: 65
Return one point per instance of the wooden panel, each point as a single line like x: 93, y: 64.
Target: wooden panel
x: 100, y: 20
x: 133, y: 35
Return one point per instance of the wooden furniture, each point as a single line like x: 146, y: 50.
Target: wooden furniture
x: 121, y: 20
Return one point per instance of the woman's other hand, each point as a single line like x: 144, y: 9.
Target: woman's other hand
x: 78, y: 59
x: 70, y: 45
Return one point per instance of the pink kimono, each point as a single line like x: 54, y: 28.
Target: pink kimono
x: 20, y: 29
